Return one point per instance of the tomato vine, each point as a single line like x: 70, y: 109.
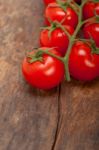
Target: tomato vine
x: 38, y: 55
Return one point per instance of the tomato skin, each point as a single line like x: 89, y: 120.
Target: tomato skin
x: 48, y: 1
x: 97, y: 8
x: 46, y: 74
x: 54, y: 12
x: 58, y: 39
x: 92, y: 29
x: 89, y: 9
x: 51, y: 1
x: 83, y: 64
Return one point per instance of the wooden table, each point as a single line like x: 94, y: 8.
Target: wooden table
x: 65, y: 118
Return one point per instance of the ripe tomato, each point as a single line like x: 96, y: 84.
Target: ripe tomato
x: 46, y: 74
x: 57, y: 39
x: 48, y: 1
x: 54, y: 12
x: 83, y: 64
x: 90, y: 8
x: 92, y: 29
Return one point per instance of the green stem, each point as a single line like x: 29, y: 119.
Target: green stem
x: 81, y: 39
x: 63, y: 28
x: 83, y: 2
x: 67, y: 3
x: 65, y: 60
x: 72, y: 38
x: 66, y: 57
x: 88, y: 20
x: 51, y: 54
x: 74, y: 7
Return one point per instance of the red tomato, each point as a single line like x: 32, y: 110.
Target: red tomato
x: 48, y: 1
x: 58, y: 39
x: 93, y: 31
x: 54, y: 12
x: 46, y: 74
x: 83, y: 64
x: 89, y: 9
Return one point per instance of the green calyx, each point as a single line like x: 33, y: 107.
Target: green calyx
x: 54, y: 25
x: 62, y: 4
x: 68, y: 3
x: 97, y: 18
x: 37, y: 56
x: 52, y: 28
x: 95, y: 1
x: 95, y: 50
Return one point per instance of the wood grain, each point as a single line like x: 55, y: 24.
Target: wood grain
x: 65, y: 118
x: 79, y: 117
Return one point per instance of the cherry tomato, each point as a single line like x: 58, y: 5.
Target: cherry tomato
x: 92, y: 30
x: 46, y: 74
x: 51, y: 1
x: 90, y: 8
x: 54, y: 12
x: 48, y: 1
x: 83, y: 64
x: 57, y: 39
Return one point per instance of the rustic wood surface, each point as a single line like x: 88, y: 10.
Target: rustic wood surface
x: 65, y: 118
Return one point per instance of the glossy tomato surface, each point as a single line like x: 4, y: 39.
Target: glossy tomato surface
x: 57, y: 39
x: 92, y: 30
x: 90, y: 9
x: 48, y: 1
x: 46, y: 74
x: 83, y: 64
x: 54, y: 12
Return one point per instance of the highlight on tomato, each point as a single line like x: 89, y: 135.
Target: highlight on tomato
x: 91, y: 31
x: 83, y: 64
x: 90, y: 9
x: 56, y: 12
x: 43, y: 71
x: 55, y: 36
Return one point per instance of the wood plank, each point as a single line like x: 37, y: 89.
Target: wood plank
x: 65, y: 118
x: 28, y: 117
x: 79, y: 117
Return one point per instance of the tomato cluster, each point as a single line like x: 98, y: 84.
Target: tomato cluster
x: 46, y: 67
